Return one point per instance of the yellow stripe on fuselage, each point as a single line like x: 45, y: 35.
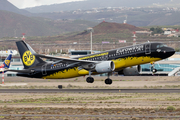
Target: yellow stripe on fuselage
x: 67, y: 73
x: 132, y: 61
x: 119, y: 64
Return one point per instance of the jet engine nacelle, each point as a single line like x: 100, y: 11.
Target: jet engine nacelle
x: 105, y: 67
x: 131, y: 71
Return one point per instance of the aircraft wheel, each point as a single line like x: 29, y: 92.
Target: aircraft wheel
x: 154, y: 70
x: 90, y: 79
x: 108, y: 81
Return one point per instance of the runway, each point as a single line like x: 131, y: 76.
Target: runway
x: 85, y: 116
x: 89, y: 90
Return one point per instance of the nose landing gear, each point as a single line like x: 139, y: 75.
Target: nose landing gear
x: 153, y: 69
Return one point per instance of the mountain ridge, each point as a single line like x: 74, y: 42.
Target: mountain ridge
x: 13, y: 25
x: 89, y: 4
x: 7, y: 6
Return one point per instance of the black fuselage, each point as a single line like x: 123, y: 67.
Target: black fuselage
x: 122, y: 57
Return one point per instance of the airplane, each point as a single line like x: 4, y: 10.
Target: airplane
x: 125, y: 60
x: 6, y: 63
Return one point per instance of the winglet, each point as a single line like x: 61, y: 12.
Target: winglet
x: 30, y: 48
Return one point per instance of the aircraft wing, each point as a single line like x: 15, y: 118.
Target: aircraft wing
x: 69, y: 60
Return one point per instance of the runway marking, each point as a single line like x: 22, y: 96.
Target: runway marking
x: 13, y: 84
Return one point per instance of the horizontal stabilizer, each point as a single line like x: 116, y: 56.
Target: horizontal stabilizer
x: 21, y: 71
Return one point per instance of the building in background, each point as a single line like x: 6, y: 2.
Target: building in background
x: 164, y: 67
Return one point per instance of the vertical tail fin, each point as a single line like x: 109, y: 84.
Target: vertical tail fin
x: 7, y: 61
x: 27, y: 58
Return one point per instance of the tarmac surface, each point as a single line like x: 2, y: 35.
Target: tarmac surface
x: 89, y: 90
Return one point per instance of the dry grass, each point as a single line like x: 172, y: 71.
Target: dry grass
x: 111, y: 105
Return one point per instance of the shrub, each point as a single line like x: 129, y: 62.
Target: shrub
x: 171, y: 108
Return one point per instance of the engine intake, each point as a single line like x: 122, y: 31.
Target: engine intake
x: 105, y: 67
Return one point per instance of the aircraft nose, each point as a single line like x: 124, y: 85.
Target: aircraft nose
x: 167, y: 52
x: 170, y: 51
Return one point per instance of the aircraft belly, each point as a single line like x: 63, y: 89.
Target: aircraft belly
x: 119, y: 64
x: 132, y: 61
x: 83, y: 72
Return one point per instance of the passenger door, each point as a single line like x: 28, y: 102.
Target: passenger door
x: 44, y: 70
x: 148, y: 48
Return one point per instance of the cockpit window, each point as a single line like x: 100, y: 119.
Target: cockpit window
x: 161, y: 45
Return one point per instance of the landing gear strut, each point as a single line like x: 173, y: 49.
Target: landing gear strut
x: 152, y: 68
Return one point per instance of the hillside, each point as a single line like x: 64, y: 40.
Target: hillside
x: 106, y: 27
x: 161, y: 18
x: 104, y: 31
x: 82, y: 10
x: 112, y: 32
x: 89, y: 4
x: 166, y: 19
x: 7, y: 6
x: 136, y: 17
x: 13, y: 25
x: 172, y: 3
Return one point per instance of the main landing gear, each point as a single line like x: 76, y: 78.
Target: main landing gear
x: 108, y: 81
x: 90, y: 79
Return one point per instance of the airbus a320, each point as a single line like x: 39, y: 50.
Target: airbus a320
x: 125, y: 60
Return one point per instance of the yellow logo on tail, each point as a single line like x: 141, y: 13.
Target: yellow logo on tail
x: 7, y: 62
x: 28, y: 58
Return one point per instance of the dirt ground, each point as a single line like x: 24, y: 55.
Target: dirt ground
x: 91, y: 106
x: 80, y: 82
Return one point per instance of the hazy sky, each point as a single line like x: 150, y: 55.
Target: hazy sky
x: 32, y: 3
